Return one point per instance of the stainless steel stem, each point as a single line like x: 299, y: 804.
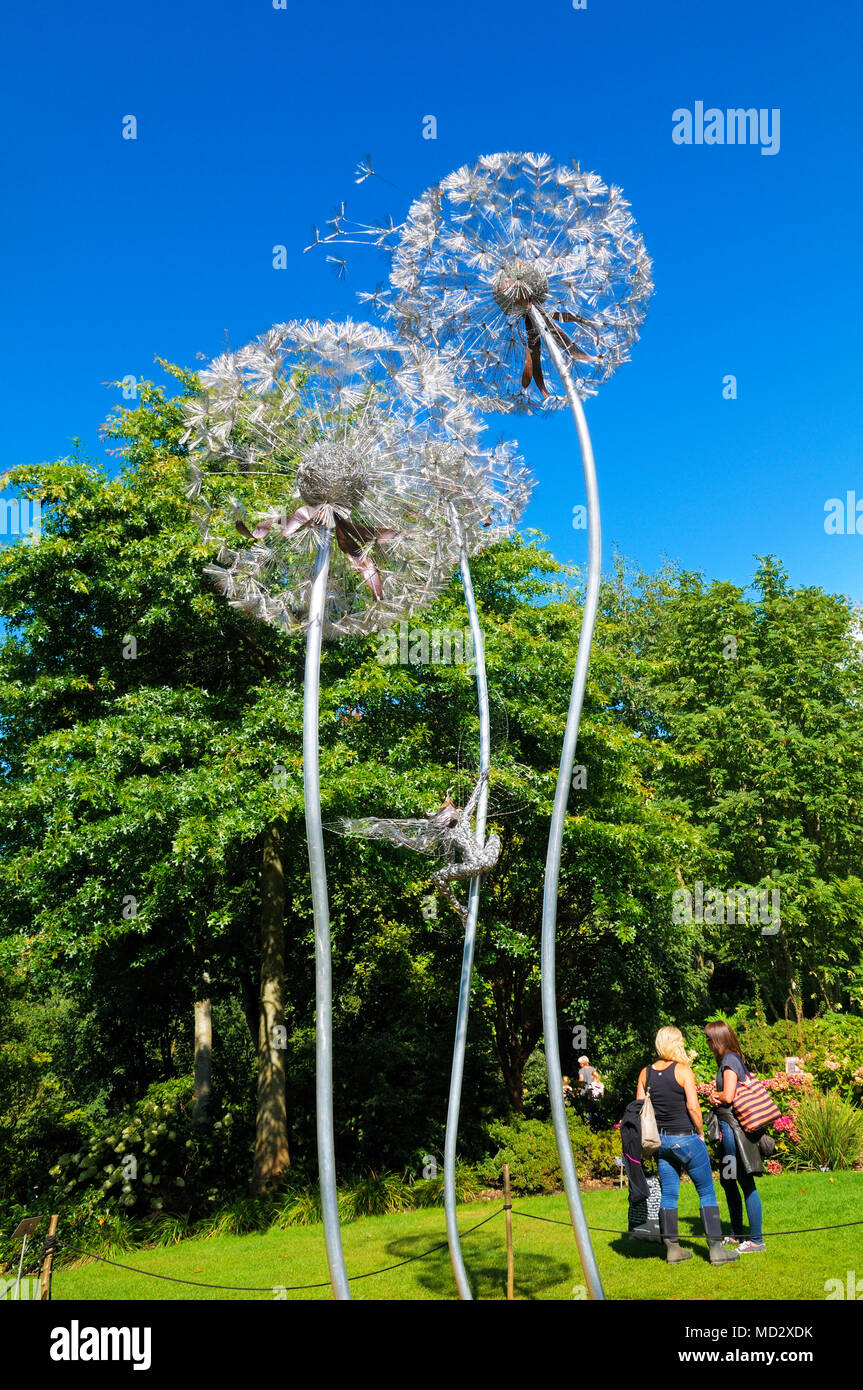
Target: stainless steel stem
x: 17, y: 1293
x: 449, y: 1158
x: 558, y: 817
x: 321, y: 909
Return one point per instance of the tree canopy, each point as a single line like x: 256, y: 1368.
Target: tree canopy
x: 150, y: 740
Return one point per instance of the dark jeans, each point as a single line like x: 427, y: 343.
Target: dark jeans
x: 684, y: 1153
x: 746, y: 1184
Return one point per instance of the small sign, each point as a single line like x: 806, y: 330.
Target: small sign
x: 26, y: 1228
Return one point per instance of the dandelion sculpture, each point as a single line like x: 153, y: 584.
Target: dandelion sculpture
x: 310, y: 443
x: 501, y: 262
x: 500, y: 485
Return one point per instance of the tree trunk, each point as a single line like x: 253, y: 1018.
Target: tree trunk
x: 517, y: 1028
x: 271, y: 1159
x: 251, y: 1008
x: 513, y: 1075
x: 203, y: 1058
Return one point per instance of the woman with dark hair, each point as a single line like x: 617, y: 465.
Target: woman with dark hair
x: 671, y: 1082
x: 733, y: 1173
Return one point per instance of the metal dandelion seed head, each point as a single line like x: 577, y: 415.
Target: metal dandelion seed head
x: 506, y: 244
x: 332, y: 475
x: 518, y: 285
x: 316, y: 434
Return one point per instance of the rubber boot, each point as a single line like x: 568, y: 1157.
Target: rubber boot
x: 713, y: 1230
x: 648, y: 1230
x: 668, y: 1226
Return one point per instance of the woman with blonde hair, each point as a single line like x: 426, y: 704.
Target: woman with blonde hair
x: 671, y: 1082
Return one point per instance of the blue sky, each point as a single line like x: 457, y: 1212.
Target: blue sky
x: 251, y: 120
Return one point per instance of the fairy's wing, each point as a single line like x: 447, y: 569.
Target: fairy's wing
x: 422, y: 836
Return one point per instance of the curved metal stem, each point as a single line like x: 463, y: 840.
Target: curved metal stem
x: 320, y: 906
x: 457, y: 1073
x: 555, y: 838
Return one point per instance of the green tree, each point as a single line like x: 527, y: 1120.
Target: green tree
x: 759, y: 699
x: 139, y: 793
x: 153, y: 852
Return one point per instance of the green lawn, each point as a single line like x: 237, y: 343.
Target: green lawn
x: 794, y: 1267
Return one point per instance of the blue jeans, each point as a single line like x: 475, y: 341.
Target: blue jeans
x: 684, y: 1153
x: 730, y: 1184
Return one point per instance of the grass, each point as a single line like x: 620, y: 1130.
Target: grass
x: 546, y: 1267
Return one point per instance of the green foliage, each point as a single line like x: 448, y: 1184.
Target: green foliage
x: 758, y: 702
x: 152, y: 1158
x: 830, y: 1047
x: 151, y: 736
x: 237, y: 1217
x: 39, y: 1116
x: 829, y: 1132
x: 376, y: 1194
x: 535, y: 1087
x: 429, y: 1192
x: 529, y: 1147
x: 301, y: 1207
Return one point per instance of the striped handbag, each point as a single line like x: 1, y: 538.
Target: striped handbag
x: 753, y: 1105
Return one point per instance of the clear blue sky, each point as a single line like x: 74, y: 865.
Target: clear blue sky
x: 250, y: 122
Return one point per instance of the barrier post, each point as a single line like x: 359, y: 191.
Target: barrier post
x: 507, y: 1207
x: 45, y: 1281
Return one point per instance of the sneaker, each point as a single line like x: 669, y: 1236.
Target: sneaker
x: 732, y: 1240
x: 750, y: 1247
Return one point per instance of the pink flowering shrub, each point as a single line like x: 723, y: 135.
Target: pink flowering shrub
x: 829, y: 1047
x: 837, y: 1073
x: 787, y: 1124
x: 773, y: 1166
x: 781, y: 1085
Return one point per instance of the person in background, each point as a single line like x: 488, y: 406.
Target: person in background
x: 592, y: 1089
x: 682, y: 1147
x: 733, y: 1175
x: 589, y: 1077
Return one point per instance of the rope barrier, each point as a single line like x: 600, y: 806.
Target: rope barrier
x: 268, y: 1288
x: 54, y: 1242
x: 609, y: 1230
x: 34, y: 1270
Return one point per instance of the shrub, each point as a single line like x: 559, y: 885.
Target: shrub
x: 831, y: 1048
x: 153, y: 1158
x: 428, y: 1192
x: 535, y: 1087
x: 300, y: 1207
x: 238, y: 1217
x: 829, y: 1132
x: 377, y: 1194
x: 787, y: 1090
x: 529, y: 1147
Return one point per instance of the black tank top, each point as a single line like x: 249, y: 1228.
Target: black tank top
x: 669, y: 1101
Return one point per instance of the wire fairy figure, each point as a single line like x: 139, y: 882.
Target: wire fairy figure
x: 446, y: 834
